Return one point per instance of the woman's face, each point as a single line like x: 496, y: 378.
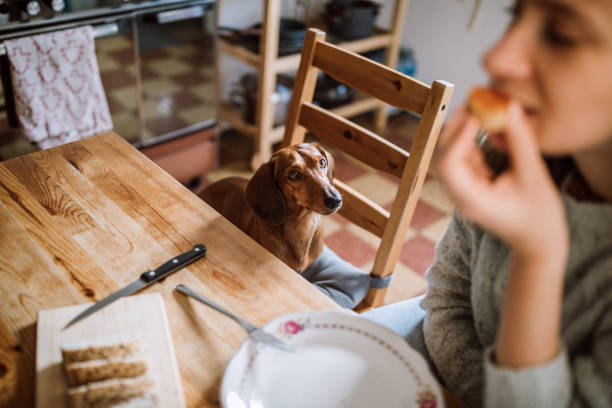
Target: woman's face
x: 556, y: 61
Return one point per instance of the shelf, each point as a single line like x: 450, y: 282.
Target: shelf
x: 239, y: 52
x: 290, y: 62
x: 234, y: 116
x: 265, y: 134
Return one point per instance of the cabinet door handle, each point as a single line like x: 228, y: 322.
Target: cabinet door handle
x: 105, y: 30
x: 180, y: 14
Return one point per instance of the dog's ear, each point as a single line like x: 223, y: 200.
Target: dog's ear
x: 264, y: 197
x: 331, y: 164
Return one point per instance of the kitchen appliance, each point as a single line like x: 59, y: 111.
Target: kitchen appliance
x: 156, y: 62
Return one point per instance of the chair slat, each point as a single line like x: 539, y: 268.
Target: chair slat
x: 361, y: 210
x: 353, y: 139
x: 412, y: 180
x: 370, y: 77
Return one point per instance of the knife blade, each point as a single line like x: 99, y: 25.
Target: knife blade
x: 146, y: 279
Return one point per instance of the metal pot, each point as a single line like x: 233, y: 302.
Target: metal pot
x: 351, y: 20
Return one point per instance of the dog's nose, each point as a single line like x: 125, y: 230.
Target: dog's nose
x: 332, y: 201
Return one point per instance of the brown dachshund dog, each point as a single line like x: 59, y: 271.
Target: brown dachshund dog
x: 279, y: 206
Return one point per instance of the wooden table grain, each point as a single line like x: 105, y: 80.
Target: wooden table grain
x: 81, y: 220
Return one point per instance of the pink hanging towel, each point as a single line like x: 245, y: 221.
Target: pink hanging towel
x: 58, y: 92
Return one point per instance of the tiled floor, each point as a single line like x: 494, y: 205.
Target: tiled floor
x: 431, y: 216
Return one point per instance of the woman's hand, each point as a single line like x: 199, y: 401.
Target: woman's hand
x: 522, y: 205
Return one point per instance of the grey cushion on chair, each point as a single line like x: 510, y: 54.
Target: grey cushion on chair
x: 344, y: 283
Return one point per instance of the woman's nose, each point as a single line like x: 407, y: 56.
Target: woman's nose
x: 510, y: 58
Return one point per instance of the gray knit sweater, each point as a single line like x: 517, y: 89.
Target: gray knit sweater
x: 463, y: 302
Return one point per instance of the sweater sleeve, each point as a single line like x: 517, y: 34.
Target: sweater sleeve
x: 449, y: 329
x: 585, y: 381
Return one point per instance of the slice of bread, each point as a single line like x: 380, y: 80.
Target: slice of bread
x: 120, y: 345
x: 105, y: 393
x: 83, y: 372
x: 490, y: 107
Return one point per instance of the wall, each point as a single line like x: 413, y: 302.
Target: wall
x: 445, y: 48
x: 437, y: 31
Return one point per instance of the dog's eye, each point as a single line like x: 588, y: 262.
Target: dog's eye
x: 322, y: 163
x: 294, y: 175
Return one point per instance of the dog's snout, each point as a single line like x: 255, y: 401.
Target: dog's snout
x: 332, y: 200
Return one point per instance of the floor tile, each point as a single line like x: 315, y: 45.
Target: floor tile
x: 169, y: 67
x: 424, y: 215
x: 418, y: 254
x: 151, y: 56
x: 205, y: 91
x: 350, y: 247
x: 126, y: 96
x: 116, y: 79
x: 126, y: 124
x: 376, y: 188
x: 371, y: 239
x: 106, y: 64
x: 347, y: 170
x: 405, y: 284
x: 433, y: 193
x: 113, y: 43
x: 159, y: 87
x: 190, y: 78
x: 434, y: 231
x: 114, y: 105
x: 195, y: 115
x: 330, y: 226
x: 122, y: 56
x: 186, y: 50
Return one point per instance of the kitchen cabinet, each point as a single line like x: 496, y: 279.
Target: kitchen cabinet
x: 269, y: 65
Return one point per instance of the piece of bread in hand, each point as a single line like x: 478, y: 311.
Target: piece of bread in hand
x: 120, y: 345
x: 83, y: 372
x: 108, y: 393
x: 490, y: 107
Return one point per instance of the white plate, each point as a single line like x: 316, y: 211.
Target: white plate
x: 341, y: 360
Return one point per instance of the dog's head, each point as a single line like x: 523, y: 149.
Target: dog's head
x: 298, y: 176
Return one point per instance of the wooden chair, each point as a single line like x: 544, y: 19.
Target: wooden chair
x: 393, y: 88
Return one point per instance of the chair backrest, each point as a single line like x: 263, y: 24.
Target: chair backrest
x: 393, y: 88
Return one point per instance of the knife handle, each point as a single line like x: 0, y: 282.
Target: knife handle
x: 174, y: 264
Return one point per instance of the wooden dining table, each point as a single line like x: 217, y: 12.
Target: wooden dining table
x: 81, y: 220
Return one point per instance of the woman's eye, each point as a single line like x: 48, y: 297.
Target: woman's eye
x: 294, y: 175
x: 322, y: 163
x: 514, y: 10
x: 558, y: 39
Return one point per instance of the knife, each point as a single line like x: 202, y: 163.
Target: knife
x: 146, y: 279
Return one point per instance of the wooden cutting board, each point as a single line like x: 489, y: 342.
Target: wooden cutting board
x: 144, y: 314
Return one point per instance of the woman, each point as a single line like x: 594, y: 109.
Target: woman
x: 518, y: 310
